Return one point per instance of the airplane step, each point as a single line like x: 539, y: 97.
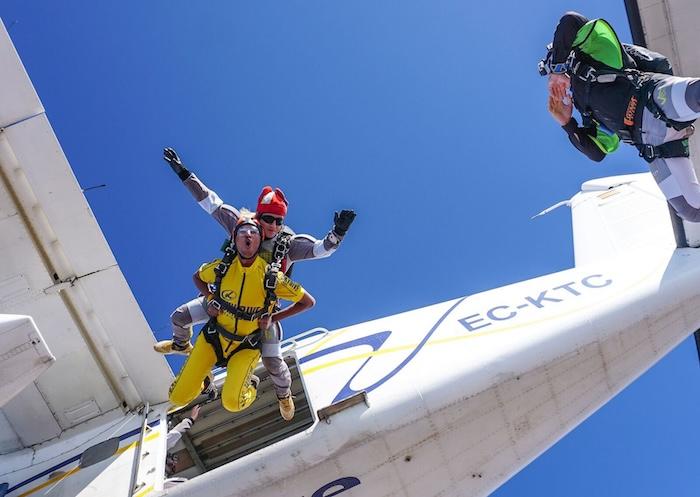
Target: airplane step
x: 219, y: 436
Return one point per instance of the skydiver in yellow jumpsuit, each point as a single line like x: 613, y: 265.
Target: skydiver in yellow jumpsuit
x: 242, y: 317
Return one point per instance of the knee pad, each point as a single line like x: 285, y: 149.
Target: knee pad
x: 693, y: 95
x: 684, y: 210
x: 181, y: 317
x: 240, y: 400
x: 279, y: 373
x: 237, y: 393
x: 270, y: 342
x: 275, y: 365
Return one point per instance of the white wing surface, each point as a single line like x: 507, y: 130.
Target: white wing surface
x: 56, y: 267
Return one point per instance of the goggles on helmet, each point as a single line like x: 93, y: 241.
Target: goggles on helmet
x: 248, y: 229
x: 247, y: 225
x: 545, y: 66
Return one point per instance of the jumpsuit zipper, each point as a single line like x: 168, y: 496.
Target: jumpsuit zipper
x: 238, y: 305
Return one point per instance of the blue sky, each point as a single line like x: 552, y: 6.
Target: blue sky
x: 426, y: 117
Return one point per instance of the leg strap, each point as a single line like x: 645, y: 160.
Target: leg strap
x: 211, y: 332
x: 675, y: 148
x: 211, y: 335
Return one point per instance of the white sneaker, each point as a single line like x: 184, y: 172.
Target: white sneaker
x: 170, y: 347
x: 287, y: 407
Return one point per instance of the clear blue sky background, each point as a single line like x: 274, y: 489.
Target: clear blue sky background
x: 427, y: 117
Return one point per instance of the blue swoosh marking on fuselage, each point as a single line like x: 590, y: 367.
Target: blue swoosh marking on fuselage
x: 376, y: 341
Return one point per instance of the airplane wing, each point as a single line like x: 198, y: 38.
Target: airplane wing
x: 56, y: 266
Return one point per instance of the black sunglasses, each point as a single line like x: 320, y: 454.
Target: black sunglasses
x: 272, y: 219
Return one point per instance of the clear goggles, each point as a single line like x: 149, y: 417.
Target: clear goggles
x: 248, y: 229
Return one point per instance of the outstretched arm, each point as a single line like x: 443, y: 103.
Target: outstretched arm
x: 225, y: 215
x: 181, y: 428
x: 307, y: 247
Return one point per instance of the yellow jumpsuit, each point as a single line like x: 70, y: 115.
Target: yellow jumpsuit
x: 242, y: 287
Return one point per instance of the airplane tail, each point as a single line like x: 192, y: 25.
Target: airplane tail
x: 620, y: 215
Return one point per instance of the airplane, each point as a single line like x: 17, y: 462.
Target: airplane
x: 450, y: 399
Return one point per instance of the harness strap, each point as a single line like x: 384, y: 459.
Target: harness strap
x: 212, y: 329
x: 651, y: 106
x: 675, y: 148
x: 222, y: 268
x: 279, y: 252
x: 251, y: 339
x: 211, y: 335
x: 235, y: 311
x: 578, y: 65
x: 211, y: 332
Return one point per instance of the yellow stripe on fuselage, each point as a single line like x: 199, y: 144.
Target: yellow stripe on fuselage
x: 145, y: 491
x: 57, y: 479
x: 441, y: 341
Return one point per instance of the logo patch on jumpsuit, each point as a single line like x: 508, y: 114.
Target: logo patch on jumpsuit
x: 661, y: 96
x: 289, y: 283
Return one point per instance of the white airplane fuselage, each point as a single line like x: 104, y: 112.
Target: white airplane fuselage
x: 464, y: 394
x: 460, y: 395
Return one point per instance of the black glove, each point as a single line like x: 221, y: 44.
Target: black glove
x: 173, y: 160
x: 343, y: 220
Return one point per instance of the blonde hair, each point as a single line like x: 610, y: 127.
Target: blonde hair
x: 246, y: 214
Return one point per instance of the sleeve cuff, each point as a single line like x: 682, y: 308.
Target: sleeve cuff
x: 571, y: 127
x: 334, y: 237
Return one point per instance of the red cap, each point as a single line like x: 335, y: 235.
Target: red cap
x: 272, y: 202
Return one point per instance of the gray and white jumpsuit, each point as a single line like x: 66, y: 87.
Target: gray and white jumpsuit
x: 679, y: 99
x: 302, y: 247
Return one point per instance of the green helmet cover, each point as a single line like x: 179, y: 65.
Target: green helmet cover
x: 598, y: 40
